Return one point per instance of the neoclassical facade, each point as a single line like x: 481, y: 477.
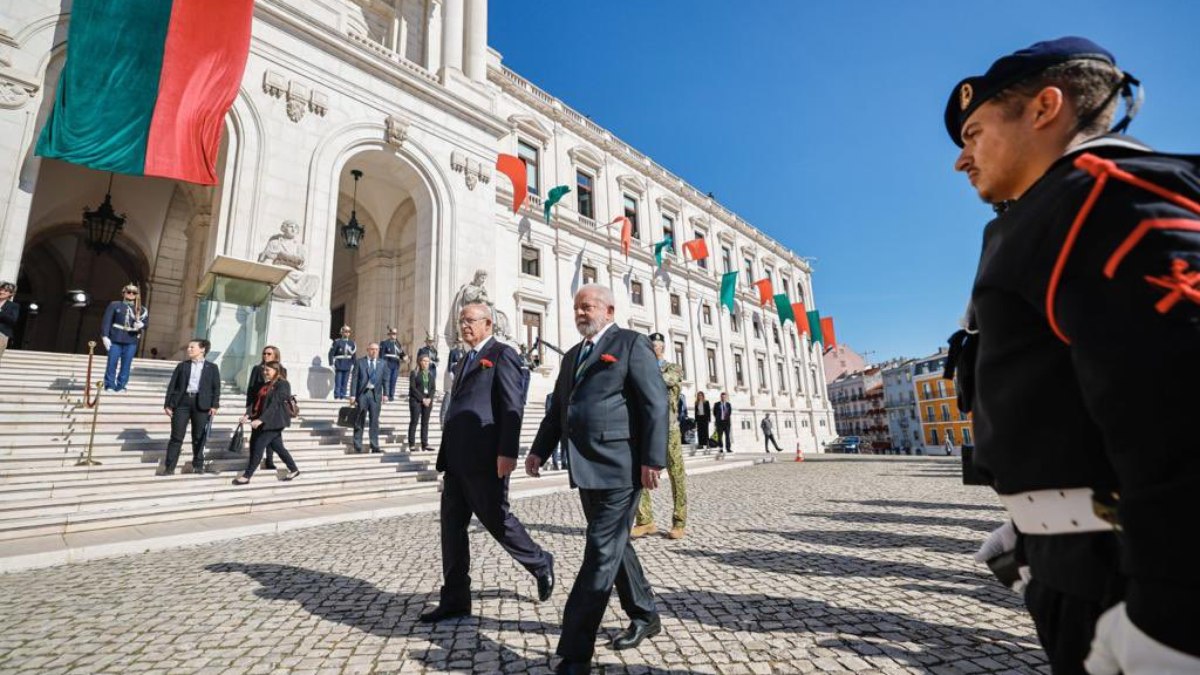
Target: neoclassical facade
x: 407, y: 93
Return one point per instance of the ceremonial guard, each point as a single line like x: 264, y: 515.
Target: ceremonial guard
x: 122, y: 326
x: 1078, y: 354
x: 456, y: 354
x: 430, y: 350
x: 393, y: 355
x: 672, y: 374
x: 341, y: 357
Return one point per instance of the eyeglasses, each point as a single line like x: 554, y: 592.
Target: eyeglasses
x: 464, y: 322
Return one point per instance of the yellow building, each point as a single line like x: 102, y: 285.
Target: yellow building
x: 943, y: 427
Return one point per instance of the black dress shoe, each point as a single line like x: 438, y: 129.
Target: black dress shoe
x: 440, y: 613
x: 545, y: 583
x: 573, y: 668
x: 637, y: 632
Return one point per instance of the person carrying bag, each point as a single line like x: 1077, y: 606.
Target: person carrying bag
x: 269, y: 416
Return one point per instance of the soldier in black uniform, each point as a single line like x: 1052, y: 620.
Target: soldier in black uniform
x: 1083, y: 350
x: 393, y: 355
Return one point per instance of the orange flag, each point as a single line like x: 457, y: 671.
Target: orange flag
x: 765, y: 292
x: 626, y: 232
x: 801, y: 318
x: 514, y: 168
x: 827, y: 331
x: 696, y: 248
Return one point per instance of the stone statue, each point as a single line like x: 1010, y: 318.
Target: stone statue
x: 472, y: 293
x: 284, y: 250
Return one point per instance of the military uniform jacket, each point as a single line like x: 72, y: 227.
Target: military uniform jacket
x: 1088, y: 369
x: 341, y: 354
x: 673, y: 377
x: 391, y: 352
x: 117, y: 324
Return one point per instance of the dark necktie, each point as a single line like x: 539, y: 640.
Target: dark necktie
x: 584, y: 353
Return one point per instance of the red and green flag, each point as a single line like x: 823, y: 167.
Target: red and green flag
x: 147, y: 84
x: 696, y: 248
x: 784, y: 308
x: 814, y: 322
x: 555, y: 196
x: 801, y: 317
x: 764, y: 291
x: 514, y: 167
x: 829, y: 338
x: 659, y: 247
x: 728, y: 285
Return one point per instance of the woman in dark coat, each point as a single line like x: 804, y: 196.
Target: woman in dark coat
x: 421, y: 388
x: 703, y: 415
x: 269, y: 417
x: 270, y: 353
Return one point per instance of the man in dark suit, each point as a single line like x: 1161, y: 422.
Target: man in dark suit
x: 610, y: 407
x: 194, y: 394
x: 480, y: 441
x: 723, y: 413
x: 369, y: 393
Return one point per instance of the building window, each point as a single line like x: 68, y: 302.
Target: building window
x: 734, y: 323
x: 816, y: 388
x: 531, y: 261
x: 635, y: 293
x: 668, y: 225
x: 941, y: 389
x: 631, y: 212
x: 762, y: 374
x: 589, y: 274
x: 712, y: 364
x: 799, y: 381
x: 703, y: 262
x: 583, y: 184
x: 706, y: 313
x: 782, y: 380
x: 775, y: 334
x: 929, y: 413
x: 799, y: 292
x: 532, y: 321
x: 945, y: 413
x: 749, y: 271
x: 950, y: 436
x: 757, y: 325
x: 792, y: 336
x: 679, y: 358
x: 676, y: 306
x: 784, y: 284
x: 933, y: 437
x: 529, y: 154
x: 770, y: 276
x: 726, y: 259
x: 739, y: 375
x: 925, y: 390
x: 966, y: 436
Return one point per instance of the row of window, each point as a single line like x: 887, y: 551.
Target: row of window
x: 929, y: 416
x: 948, y: 435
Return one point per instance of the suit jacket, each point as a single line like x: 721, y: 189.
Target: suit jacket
x: 703, y: 410
x: 483, y: 413
x: 116, y: 316
x: 274, y: 413
x: 614, y: 420
x: 257, y: 380
x: 417, y: 390
x: 207, y: 398
x: 723, y: 412
x: 10, y: 313
x: 342, y: 347
x: 364, y: 377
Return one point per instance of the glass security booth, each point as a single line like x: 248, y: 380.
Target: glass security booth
x: 234, y: 312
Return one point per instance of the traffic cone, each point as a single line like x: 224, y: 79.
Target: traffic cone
x: 799, y: 455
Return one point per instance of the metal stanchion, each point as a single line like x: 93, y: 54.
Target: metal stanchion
x: 94, y: 404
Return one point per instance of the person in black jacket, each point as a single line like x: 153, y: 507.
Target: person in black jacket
x: 194, y: 394
x: 10, y: 313
x: 421, y: 388
x: 268, y: 416
x: 703, y: 416
x: 257, y: 380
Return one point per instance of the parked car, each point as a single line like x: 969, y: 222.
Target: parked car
x: 847, y: 444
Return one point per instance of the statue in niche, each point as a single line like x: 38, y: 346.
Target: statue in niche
x: 475, y: 292
x: 284, y: 250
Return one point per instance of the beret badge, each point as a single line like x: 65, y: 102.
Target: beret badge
x: 964, y: 95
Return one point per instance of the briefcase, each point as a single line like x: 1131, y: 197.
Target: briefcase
x: 347, y: 416
x: 236, y: 441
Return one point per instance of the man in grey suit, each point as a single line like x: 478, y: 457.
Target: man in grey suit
x: 610, y: 409
x: 368, y: 392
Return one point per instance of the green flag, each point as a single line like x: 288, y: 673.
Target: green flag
x: 658, y: 249
x: 728, y: 284
x: 814, y: 324
x: 555, y: 196
x: 785, y: 308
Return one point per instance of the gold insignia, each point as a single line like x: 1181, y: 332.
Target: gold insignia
x: 964, y: 95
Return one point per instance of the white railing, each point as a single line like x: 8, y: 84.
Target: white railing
x: 393, y: 56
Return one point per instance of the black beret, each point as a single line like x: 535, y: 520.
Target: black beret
x: 974, y: 91
x: 657, y: 337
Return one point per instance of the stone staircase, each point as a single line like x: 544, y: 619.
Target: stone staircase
x: 45, y: 430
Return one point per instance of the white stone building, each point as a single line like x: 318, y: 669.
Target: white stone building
x: 408, y: 93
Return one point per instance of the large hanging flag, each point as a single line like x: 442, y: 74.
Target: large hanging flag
x: 696, y: 248
x: 728, y: 284
x: 800, y: 317
x: 829, y: 338
x: 814, y: 323
x: 765, y: 292
x: 147, y: 84
x: 513, y: 167
x: 785, y: 309
x: 555, y: 196
x: 660, y: 247
x: 626, y: 232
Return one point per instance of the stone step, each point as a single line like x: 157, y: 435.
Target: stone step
x: 152, y: 457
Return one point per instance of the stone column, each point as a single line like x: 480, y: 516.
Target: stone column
x: 476, y: 39
x: 452, y: 36
x: 433, y: 36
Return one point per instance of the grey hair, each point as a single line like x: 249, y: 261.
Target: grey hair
x: 487, y: 310
x: 603, y: 292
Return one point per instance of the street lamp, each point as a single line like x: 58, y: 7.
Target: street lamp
x: 352, y: 232
x: 103, y: 224
x: 78, y: 299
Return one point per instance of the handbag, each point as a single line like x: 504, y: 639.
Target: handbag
x: 347, y: 416
x: 236, y: 441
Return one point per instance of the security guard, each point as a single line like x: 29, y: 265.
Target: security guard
x: 341, y: 356
x: 393, y: 355
x: 120, y: 329
x: 673, y: 376
x: 1083, y: 356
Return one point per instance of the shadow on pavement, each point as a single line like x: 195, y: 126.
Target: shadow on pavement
x: 929, y: 506
x: 976, y: 524
x: 993, y: 594
x: 549, y: 528
x: 834, y: 565
x: 870, y: 539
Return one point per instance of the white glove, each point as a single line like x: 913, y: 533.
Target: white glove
x: 107, y: 343
x: 1002, y: 540
x: 1122, y: 647
x: 138, y: 325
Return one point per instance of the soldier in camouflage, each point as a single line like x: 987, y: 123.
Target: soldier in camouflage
x: 673, y: 375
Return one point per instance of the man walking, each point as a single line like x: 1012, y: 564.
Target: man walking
x: 393, y: 355
x: 768, y: 430
x: 672, y: 376
x: 193, y: 395
x: 368, y: 394
x: 610, y: 407
x: 480, y: 442
x: 120, y: 330
x: 723, y: 416
x: 341, y: 357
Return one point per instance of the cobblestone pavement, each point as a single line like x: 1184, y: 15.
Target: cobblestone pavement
x: 830, y: 567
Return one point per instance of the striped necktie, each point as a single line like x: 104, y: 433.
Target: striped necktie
x: 583, y: 357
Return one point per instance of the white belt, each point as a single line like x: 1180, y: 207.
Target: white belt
x: 1066, y: 511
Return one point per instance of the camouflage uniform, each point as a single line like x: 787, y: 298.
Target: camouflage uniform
x: 673, y: 375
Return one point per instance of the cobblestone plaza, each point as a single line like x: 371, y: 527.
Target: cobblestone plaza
x: 857, y: 566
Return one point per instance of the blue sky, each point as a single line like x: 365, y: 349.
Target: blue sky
x: 821, y: 122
